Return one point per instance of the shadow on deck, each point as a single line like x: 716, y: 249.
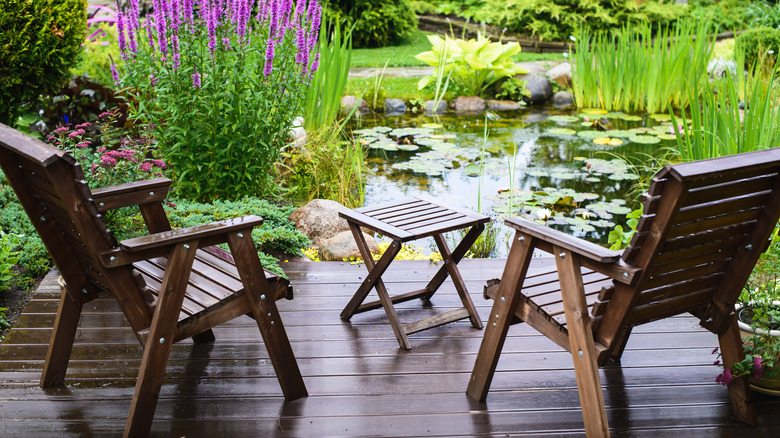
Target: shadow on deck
x: 360, y: 383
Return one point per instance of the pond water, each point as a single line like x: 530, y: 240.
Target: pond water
x: 565, y: 168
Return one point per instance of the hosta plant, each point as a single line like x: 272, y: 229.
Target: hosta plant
x: 473, y: 65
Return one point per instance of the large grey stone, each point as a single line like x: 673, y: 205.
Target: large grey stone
x: 504, y: 105
x: 468, y: 104
x: 395, y: 106
x: 348, y: 102
x: 563, y: 99
x: 319, y: 219
x: 342, y: 246
x: 533, y: 67
x: 441, y: 109
x: 539, y: 86
x: 561, y: 74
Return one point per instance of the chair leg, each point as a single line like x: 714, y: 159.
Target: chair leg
x: 267, y: 317
x: 581, y: 342
x: 739, y: 388
x: 159, y: 342
x: 204, y: 337
x: 61, y: 343
x: 504, y: 307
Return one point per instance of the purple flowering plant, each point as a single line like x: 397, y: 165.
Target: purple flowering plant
x: 222, y: 82
x: 104, y: 164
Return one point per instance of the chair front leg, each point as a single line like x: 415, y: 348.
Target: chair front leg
x: 582, y: 345
x: 501, y: 315
x: 160, y: 340
x: 61, y: 343
x: 261, y: 300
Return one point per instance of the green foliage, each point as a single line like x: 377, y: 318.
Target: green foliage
x: 222, y: 110
x: 717, y: 126
x: 724, y: 14
x: 9, y: 256
x: 39, y: 41
x: 619, y: 239
x: 276, y: 234
x: 762, y: 13
x: 95, y: 61
x: 323, y: 97
x: 13, y: 219
x: 378, y: 23
x: 327, y: 168
x: 635, y: 71
x: 757, y: 43
x: 473, y: 65
x: 513, y: 89
x: 80, y: 100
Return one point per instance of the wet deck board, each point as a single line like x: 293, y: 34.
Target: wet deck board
x: 360, y: 382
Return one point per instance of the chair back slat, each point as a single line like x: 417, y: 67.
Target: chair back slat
x: 726, y: 204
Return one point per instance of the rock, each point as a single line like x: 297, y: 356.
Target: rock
x: 533, y: 67
x: 561, y: 74
x: 348, y: 102
x: 297, y: 133
x: 717, y: 68
x: 539, y: 86
x: 563, y: 99
x: 441, y: 109
x: 504, y: 105
x: 468, y: 104
x: 342, y: 246
x: 395, y: 106
x: 319, y: 219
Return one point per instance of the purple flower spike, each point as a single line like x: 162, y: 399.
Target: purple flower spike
x: 115, y: 75
x: 196, y: 80
x: 269, y: 56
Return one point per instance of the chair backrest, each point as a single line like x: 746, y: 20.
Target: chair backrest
x: 50, y: 186
x: 703, y: 228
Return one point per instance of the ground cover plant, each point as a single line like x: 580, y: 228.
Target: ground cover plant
x: 220, y: 86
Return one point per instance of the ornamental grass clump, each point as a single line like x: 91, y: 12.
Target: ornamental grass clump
x: 221, y: 82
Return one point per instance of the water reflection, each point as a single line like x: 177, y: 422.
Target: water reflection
x: 519, y: 144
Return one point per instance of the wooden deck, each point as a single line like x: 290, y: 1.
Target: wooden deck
x: 360, y: 383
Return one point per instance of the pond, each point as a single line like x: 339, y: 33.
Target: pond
x: 568, y: 169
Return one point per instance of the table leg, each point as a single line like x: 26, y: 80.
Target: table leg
x: 451, y: 265
x: 457, y: 255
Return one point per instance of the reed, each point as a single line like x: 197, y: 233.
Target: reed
x: 632, y: 71
x: 323, y: 98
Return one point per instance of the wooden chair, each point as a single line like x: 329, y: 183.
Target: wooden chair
x: 203, y: 285
x: 704, y: 226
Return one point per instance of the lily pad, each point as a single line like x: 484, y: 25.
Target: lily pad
x: 645, y: 139
x: 618, y: 133
x: 428, y: 141
x: 590, y: 134
x: 408, y: 147
x: 406, y: 132
x: 661, y: 117
x: 561, y: 131
x: 563, y: 119
x: 631, y: 118
x: 563, y: 175
x: 608, y: 141
x: 667, y: 136
x: 538, y: 173
x: 593, y: 111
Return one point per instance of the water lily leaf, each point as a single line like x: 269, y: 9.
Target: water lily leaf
x: 406, y: 132
x: 561, y: 131
x: 586, y: 124
x: 382, y: 129
x: 631, y: 118
x: 644, y: 139
x: 384, y: 145
x: 623, y: 176
x: 661, y: 117
x: 602, y: 140
x: 444, y: 137
x: 580, y: 158
x: 602, y: 223
x: 593, y: 179
x: 639, y: 130
x: 538, y: 173
x: 472, y: 169
x: 367, y: 140
x: 562, y: 175
x: 368, y: 132
x: 590, y: 134
x: 585, y: 228
x: 580, y: 197
x: 408, y: 147
x: 593, y: 111
x: 614, y: 115
x: 431, y: 125
x: 563, y: 119
x: 429, y: 141
x: 618, y: 133
x: 667, y: 136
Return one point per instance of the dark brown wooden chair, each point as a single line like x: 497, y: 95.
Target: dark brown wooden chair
x: 170, y: 284
x: 704, y: 226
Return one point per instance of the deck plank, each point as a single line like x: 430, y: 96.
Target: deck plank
x: 360, y: 383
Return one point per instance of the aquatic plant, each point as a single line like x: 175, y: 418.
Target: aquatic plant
x: 323, y: 97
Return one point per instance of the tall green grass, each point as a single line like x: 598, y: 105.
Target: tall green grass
x: 323, y: 98
x: 719, y: 127
x: 633, y: 71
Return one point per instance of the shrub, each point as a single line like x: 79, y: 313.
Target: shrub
x: 80, y: 100
x: 763, y: 14
x: 221, y: 91
x: 378, y: 23
x: 96, y: 60
x: 39, y: 41
x: 757, y: 42
x: 724, y: 14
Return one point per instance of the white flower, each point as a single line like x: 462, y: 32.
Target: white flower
x: 770, y: 52
x: 571, y: 37
x: 565, y: 54
x: 543, y: 213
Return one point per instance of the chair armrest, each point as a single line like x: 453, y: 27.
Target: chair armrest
x: 158, y: 244
x: 130, y: 194
x: 595, y: 257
